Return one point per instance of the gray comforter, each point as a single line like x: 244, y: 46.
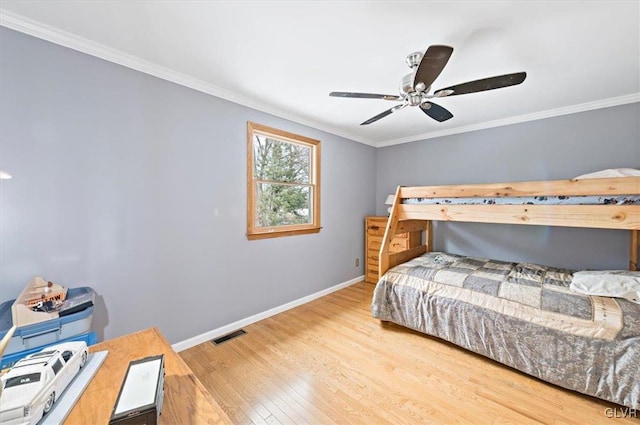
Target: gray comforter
x: 522, y: 315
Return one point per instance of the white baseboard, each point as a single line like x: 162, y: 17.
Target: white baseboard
x: 223, y: 330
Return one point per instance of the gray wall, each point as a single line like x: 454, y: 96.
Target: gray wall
x: 556, y: 148
x: 136, y: 187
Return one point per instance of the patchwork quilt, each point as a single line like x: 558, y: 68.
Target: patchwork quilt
x: 520, y: 314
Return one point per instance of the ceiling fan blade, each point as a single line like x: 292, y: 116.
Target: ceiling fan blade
x: 436, y: 112
x: 384, y: 114
x: 365, y: 95
x: 431, y: 65
x: 490, y: 83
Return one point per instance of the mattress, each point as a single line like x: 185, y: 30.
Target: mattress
x: 522, y: 315
x: 529, y: 200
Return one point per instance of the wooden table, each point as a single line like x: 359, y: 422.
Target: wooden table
x: 186, y: 401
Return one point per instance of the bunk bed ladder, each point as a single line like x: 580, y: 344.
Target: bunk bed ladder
x: 396, y: 225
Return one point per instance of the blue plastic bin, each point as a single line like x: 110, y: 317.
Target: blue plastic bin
x: 48, y: 332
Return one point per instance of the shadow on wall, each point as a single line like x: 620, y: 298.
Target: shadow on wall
x: 563, y: 247
x: 100, y: 317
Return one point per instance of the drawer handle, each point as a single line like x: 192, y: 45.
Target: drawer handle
x: 374, y: 227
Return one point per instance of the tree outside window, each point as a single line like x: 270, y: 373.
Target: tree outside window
x: 283, y: 171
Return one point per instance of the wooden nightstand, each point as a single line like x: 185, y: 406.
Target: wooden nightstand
x: 374, y: 232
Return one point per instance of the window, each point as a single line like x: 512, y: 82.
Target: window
x: 22, y: 379
x: 283, y: 183
x: 57, y: 366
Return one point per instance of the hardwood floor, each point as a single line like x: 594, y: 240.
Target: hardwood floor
x: 330, y: 362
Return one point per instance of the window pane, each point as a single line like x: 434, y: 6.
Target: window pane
x: 22, y: 379
x: 276, y: 160
x: 280, y: 205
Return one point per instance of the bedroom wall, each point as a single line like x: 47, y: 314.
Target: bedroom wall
x: 136, y: 187
x: 562, y: 147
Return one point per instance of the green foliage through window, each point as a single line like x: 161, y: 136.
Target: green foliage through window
x: 283, y: 183
x: 282, y: 173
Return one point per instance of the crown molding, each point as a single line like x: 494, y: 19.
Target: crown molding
x: 27, y: 26
x: 582, y: 107
x: 45, y: 32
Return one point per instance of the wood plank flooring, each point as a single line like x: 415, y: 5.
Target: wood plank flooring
x: 330, y: 362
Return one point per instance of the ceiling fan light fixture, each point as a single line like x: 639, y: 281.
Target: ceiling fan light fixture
x: 443, y: 93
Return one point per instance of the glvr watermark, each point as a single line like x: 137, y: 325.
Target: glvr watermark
x: 621, y: 412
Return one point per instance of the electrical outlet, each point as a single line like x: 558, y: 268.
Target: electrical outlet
x: 357, y: 262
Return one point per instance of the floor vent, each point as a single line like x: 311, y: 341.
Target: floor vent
x: 227, y: 337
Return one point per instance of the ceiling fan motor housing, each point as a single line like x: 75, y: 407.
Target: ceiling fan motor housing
x: 406, y: 85
x: 413, y: 59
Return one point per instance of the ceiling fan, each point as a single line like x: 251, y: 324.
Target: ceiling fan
x: 415, y: 86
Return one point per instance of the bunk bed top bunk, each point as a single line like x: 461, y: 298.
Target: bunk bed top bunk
x: 526, y: 316
x: 610, y: 203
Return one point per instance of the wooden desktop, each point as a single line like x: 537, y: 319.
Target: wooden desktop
x: 186, y: 401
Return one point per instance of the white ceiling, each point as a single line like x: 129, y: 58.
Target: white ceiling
x: 284, y: 57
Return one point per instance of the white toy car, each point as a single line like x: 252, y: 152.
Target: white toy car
x: 34, y: 383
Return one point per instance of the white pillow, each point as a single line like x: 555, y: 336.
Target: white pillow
x: 608, y: 283
x: 611, y: 172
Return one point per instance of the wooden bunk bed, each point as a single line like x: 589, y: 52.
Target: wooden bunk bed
x: 410, y: 218
x: 541, y: 343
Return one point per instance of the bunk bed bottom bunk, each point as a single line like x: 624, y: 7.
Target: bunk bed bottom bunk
x: 522, y: 315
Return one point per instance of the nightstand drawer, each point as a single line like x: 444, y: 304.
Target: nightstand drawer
x: 372, y: 256
x: 376, y: 227
x: 374, y: 243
